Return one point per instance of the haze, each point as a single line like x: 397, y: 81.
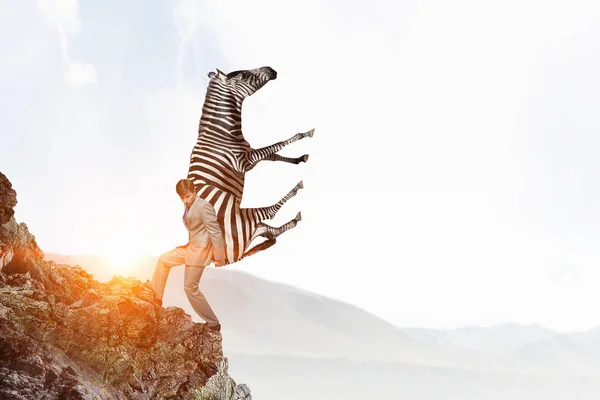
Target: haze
x: 452, y: 177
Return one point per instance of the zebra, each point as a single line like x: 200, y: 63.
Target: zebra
x: 221, y: 157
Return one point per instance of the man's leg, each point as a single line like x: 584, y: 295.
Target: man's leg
x: 163, y: 265
x: 191, y: 279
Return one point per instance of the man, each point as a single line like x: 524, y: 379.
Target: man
x: 205, y: 244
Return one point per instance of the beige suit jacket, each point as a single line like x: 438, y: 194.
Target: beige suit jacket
x: 206, y: 241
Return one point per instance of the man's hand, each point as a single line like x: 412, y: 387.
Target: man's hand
x: 220, y: 263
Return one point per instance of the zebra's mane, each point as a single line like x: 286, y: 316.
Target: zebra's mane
x: 234, y: 73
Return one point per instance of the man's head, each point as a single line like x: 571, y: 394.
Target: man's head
x: 186, y: 190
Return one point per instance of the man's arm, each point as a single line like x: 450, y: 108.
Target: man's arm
x: 209, y: 218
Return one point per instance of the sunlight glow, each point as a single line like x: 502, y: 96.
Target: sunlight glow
x: 122, y: 259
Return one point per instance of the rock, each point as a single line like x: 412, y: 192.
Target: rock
x: 18, y: 247
x: 8, y: 199
x: 6, y: 255
x: 222, y: 387
x: 242, y: 392
x: 16, y: 240
x: 64, y: 335
x: 112, y: 340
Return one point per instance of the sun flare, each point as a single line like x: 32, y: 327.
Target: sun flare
x: 122, y: 260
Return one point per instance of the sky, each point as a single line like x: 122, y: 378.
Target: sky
x: 452, y: 177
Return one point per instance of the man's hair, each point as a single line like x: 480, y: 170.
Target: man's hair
x: 185, y: 186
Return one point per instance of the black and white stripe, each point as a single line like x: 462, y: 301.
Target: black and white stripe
x: 240, y: 226
x: 221, y: 157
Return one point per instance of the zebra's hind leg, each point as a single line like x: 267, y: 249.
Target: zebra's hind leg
x: 263, y: 213
x: 257, y: 155
x: 260, y: 247
x: 291, y: 160
x: 271, y: 232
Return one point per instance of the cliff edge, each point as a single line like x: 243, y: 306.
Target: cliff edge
x: 64, y: 335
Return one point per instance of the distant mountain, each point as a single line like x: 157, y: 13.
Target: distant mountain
x: 534, y: 344
x: 100, y: 267
x: 569, y: 352
x: 294, y: 378
x: 501, y: 339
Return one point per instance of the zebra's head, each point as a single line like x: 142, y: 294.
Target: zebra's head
x: 243, y: 83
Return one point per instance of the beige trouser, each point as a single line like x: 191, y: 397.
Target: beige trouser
x: 191, y: 280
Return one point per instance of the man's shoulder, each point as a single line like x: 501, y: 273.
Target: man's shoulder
x: 200, y: 199
x: 202, y: 202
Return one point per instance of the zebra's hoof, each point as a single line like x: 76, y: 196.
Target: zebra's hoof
x: 311, y: 132
x: 299, y: 216
x: 305, y: 158
x: 300, y: 185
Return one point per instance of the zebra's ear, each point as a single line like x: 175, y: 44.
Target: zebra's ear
x: 211, y: 74
x: 221, y: 75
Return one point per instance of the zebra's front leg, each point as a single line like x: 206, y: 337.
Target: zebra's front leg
x: 271, y: 232
x: 257, y: 155
x: 263, y: 213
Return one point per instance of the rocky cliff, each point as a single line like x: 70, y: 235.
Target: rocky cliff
x: 64, y: 335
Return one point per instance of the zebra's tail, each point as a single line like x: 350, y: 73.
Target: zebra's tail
x: 259, y: 247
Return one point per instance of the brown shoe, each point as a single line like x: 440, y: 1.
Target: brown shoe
x: 216, y: 328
